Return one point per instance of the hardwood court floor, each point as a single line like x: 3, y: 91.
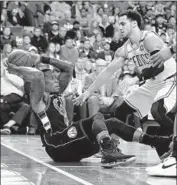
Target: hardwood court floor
x: 24, y: 162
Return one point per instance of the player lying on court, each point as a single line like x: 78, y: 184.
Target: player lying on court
x: 158, y: 93
x: 81, y: 139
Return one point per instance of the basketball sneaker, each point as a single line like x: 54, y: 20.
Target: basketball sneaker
x: 168, y: 168
x: 112, y: 156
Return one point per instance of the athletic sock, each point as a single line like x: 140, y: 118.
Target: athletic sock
x: 45, y: 121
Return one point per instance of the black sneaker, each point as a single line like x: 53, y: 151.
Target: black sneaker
x: 112, y: 156
x: 161, y: 143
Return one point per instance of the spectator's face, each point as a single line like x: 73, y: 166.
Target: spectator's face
x: 160, y: 20
x: 117, y: 10
x: 87, y: 44
x: 95, y: 24
x: 99, y: 37
x: 172, y: 21
x: 104, y: 19
x: 148, y: 27
x: 125, y: 26
x: 80, y: 64
x: 78, y: 34
x: 107, y: 46
x: 100, y: 65
x: 69, y: 43
x: 51, y: 81
x: 62, y: 32
x: 6, y: 31
x: 67, y: 14
x: 37, y: 32
x: 7, y: 48
x: 52, y: 47
x: 83, y: 13
x: 163, y: 37
x: 170, y: 31
x: 100, y: 11
x: 33, y: 52
x: 57, y: 48
x: 19, y: 42
x: 54, y: 27
x: 76, y: 26
x: 26, y: 40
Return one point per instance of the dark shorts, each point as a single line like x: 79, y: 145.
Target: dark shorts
x: 70, y: 145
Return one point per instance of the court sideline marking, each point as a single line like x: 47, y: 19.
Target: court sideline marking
x: 50, y: 166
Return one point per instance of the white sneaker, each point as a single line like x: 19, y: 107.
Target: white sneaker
x: 168, y: 168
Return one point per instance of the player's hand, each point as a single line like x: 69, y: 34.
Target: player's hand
x: 81, y: 99
x: 160, y: 57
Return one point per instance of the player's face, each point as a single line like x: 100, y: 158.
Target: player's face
x: 125, y: 26
x: 51, y: 81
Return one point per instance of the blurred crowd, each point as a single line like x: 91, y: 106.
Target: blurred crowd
x: 83, y: 33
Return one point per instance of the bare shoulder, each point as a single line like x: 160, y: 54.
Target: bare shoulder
x: 121, y: 52
x: 153, y: 42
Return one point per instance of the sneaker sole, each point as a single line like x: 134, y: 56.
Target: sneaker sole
x: 114, y: 164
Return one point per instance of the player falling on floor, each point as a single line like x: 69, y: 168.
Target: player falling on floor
x: 158, y: 93
x: 81, y: 139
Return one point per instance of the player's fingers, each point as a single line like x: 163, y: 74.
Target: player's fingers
x: 154, y: 59
x: 157, y: 63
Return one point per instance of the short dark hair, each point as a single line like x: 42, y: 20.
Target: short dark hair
x: 133, y: 15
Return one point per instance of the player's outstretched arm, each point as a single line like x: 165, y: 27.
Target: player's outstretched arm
x: 164, y: 54
x: 102, y: 78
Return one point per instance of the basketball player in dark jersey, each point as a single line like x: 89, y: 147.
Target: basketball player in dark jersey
x: 77, y: 141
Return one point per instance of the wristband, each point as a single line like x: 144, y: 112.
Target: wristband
x: 45, y: 60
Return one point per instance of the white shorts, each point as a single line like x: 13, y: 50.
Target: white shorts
x: 142, y: 98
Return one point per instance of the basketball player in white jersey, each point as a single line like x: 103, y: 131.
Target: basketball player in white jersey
x: 168, y: 168
x: 160, y: 82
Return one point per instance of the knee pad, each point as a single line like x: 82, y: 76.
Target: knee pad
x: 158, y: 110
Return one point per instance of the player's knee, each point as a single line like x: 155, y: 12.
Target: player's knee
x: 93, y: 100
x: 157, y: 110
x: 98, y: 116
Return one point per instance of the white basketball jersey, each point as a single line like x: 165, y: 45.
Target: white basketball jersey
x: 140, y: 56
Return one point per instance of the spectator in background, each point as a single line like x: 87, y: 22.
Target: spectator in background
x: 160, y: 24
x: 39, y: 41
x: 7, y: 49
x: 76, y: 28
x: 53, y: 35
x: 16, y: 14
x: 117, y: 41
x: 98, y: 44
x: 172, y: 21
x: 84, y: 20
x: 106, y: 28
x: 26, y: 41
x: 106, y: 54
x: 62, y: 34
x: 57, y: 49
x: 164, y: 38
x: 68, y: 52
x: 103, y: 98
x: 79, y: 71
x: 12, y: 91
x: 67, y: 21
x: 99, y: 14
x: 94, y: 28
x: 6, y: 37
x: 171, y: 34
x: 87, y: 49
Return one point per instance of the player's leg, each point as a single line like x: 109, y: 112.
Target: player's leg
x: 129, y: 133
x: 164, y: 102
x: 168, y: 167
x: 97, y: 131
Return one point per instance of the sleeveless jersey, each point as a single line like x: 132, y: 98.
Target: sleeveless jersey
x: 141, y: 58
x: 56, y: 113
